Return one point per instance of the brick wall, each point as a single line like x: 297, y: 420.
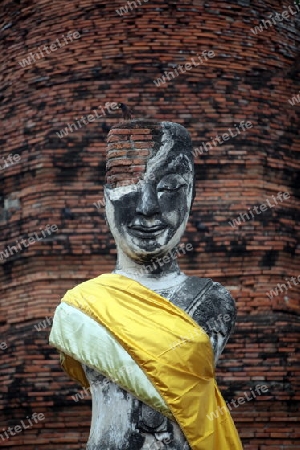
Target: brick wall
x: 54, y: 178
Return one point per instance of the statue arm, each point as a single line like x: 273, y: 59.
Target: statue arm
x: 216, y: 314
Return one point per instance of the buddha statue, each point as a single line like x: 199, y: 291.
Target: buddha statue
x: 146, y: 338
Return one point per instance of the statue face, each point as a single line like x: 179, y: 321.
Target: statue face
x: 148, y: 218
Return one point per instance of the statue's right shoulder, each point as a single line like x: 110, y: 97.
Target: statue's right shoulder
x: 84, y: 290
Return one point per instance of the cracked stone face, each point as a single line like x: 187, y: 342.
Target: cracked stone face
x: 148, y: 217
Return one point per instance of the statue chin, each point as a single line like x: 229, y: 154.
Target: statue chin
x: 144, y: 256
x: 144, y: 251
x: 142, y: 247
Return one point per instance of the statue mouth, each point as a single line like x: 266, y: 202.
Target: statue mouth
x: 146, y: 232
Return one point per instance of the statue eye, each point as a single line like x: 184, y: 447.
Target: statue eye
x: 171, y: 183
x: 170, y: 187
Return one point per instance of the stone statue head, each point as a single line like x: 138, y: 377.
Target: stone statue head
x: 149, y: 186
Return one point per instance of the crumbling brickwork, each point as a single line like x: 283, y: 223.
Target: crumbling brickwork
x: 58, y: 180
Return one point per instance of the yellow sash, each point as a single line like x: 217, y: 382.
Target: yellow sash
x: 171, y: 349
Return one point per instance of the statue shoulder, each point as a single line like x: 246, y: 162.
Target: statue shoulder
x: 82, y: 290
x: 221, y: 299
x: 213, y: 308
x: 211, y: 295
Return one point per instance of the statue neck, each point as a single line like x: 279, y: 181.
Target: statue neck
x: 155, y: 274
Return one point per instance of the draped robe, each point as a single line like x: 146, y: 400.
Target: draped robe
x: 149, y: 347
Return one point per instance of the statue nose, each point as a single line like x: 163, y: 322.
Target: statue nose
x: 147, y: 202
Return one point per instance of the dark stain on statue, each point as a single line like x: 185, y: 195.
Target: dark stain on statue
x: 135, y: 441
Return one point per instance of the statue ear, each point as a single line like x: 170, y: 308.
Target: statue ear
x: 105, y: 192
x: 105, y: 218
x: 106, y: 197
x: 194, y: 192
x: 193, y: 196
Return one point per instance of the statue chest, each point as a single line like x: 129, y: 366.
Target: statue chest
x: 120, y: 421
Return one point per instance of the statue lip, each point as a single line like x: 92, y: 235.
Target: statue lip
x: 146, y: 231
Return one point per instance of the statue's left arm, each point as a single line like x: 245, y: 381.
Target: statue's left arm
x: 216, y: 314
